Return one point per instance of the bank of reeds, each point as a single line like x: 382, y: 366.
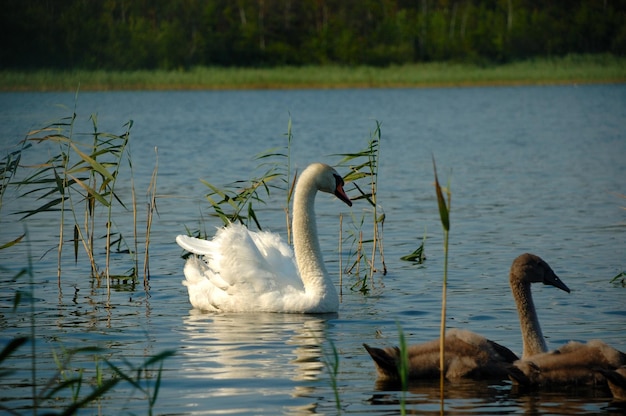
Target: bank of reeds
x: 570, y: 69
x: 363, y: 166
x: 75, y: 186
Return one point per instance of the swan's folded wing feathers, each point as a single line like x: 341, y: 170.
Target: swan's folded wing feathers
x: 280, y: 259
x: 197, y: 272
x: 241, y: 262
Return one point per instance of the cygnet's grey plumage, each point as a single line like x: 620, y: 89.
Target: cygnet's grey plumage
x: 467, y: 354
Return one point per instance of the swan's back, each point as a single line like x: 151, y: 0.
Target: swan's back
x: 241, y: 270
x: 575, y: 363
x: 467, y: 355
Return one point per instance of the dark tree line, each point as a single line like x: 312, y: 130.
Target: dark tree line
x: 169, y: 34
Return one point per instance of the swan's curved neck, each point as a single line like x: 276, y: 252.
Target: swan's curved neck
x: 532, y: 337
x: 305, y: 241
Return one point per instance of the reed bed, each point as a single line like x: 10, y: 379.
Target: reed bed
x: 569, y: 69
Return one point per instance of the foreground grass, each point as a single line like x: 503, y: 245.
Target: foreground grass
x: 570, y: 69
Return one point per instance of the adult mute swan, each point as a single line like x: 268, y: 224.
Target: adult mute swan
x: 467, y: 354
x: 245, y: 271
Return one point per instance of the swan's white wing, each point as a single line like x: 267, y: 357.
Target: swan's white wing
x: 238, y: 268
x: 259, y: 260
x: 195, y: 245
x: 279, y: 257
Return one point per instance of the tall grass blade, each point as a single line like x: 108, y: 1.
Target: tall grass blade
x: 444, y: 214
x: 403, y: 368
x: 12, y: 346
x: 332, y: 366
x: 93, y: 193
x: 441, y: 202
x: 76, y: 240
x: 151, y: 210
x: 47, y: 207
x: 12, y: 243
x: 363, y: 165
x: 92, y: 162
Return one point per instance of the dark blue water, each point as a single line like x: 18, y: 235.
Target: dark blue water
x: 539, y: 169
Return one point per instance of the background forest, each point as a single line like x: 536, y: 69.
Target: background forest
x: 165, y: 34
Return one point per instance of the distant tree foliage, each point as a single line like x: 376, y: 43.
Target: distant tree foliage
x: 167, y: 34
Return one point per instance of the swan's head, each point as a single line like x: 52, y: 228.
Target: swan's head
x: 529, y: 268
x: 328, y: 180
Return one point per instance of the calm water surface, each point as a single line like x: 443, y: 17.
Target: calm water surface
x: 536, y: 169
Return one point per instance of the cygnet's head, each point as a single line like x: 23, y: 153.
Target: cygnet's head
x: 529, y: 268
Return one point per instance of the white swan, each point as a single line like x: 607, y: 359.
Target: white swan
x: 469, y: 355
x: 246, y: 271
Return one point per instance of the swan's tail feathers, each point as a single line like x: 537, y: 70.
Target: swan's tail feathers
x: 617, y: 382
x: 194, y: 245
x: 198, y: 272
x: 613, y: 376
x: 194, y: 271
x: 386, y: 361
x: 523, y: 373
x: 506, y: 354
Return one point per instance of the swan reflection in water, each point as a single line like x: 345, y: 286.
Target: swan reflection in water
x: 466, y: 396
x: 247, y: 355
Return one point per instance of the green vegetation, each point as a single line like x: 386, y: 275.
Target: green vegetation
x: 331, y: 363
x: 403, y: 368
x: 234, y: 203
x: 620, y: 278
x: 163, y: 34
x: 73, y: 186
x: 417, y: 256
x: 363, y: 165
x: 569, y: 69
x: 73, y: 182
x: 444, y: 214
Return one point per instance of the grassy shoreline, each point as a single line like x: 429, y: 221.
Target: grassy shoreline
x: 576, y: 69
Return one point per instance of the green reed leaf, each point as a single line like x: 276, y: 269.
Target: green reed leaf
x: 93, y: 163
x: 47, y: 207
x: 416, y: 256
x: 99, y: 197
x: 76, y: 237
x: 441, y: 202
x: 12, y: 243
x: 12, y: 346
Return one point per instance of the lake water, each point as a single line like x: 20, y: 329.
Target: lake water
x: 531, y: 169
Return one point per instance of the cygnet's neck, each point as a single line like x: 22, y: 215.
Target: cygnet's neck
x: 305, y: 241
x: 532, y: 337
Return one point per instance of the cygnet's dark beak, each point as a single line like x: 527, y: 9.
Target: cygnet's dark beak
x: 554, y: 280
